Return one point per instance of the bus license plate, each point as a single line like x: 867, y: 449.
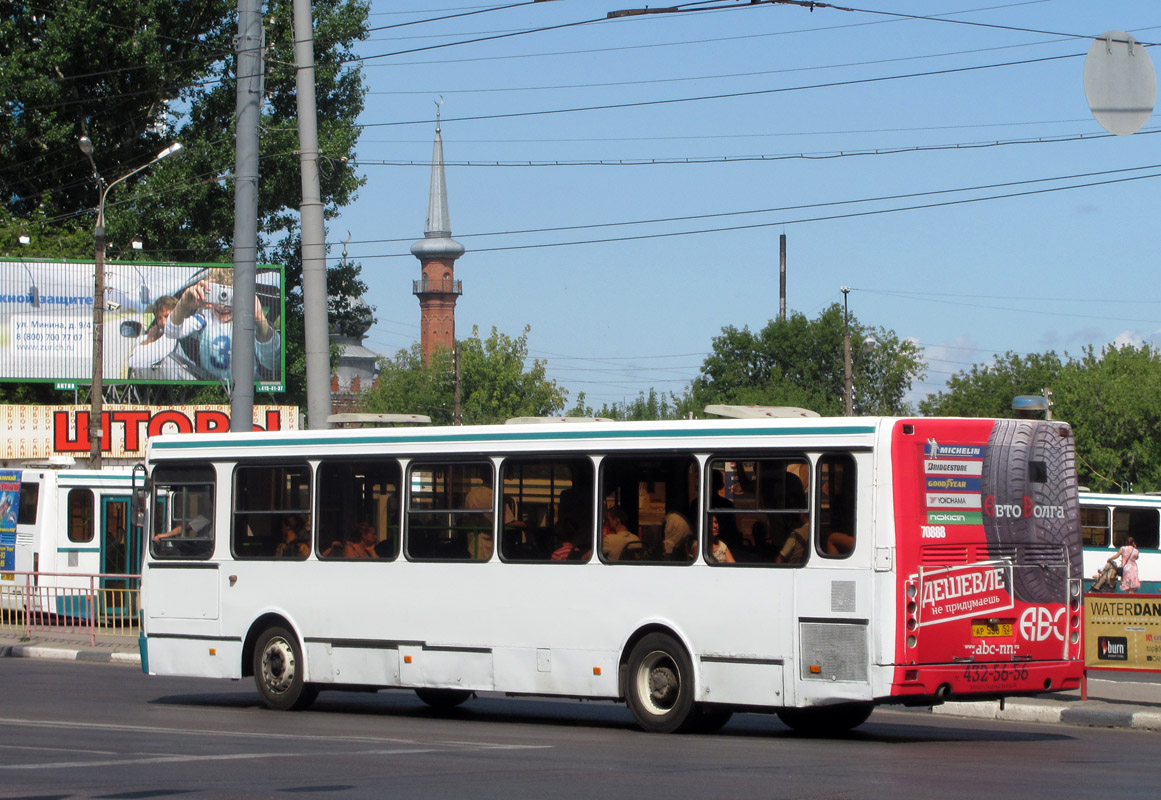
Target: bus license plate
x: 982, y: 629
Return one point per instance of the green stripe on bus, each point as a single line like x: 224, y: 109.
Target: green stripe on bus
x: 846, y: 430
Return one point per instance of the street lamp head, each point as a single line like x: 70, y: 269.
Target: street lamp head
x: 86, y: 145
x: 869, y: 344
x: 173, y: 149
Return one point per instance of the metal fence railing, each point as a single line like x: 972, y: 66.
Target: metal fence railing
x: 88, y: 603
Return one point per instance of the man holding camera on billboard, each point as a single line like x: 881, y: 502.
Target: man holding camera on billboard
x: 206, y: 310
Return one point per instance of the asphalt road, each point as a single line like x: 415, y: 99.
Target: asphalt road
x: 70, y: 729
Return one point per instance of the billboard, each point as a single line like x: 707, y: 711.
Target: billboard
x: 1122, y: 632
x: 37, y: 432
x: 163, y: 323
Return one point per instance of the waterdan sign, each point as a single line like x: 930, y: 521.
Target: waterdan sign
x: 38, y: 432
x: 1122, y: 632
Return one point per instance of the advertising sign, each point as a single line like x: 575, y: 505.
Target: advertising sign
x: 9, y: 509
x: 39, y: 432
x: 1122, y: 632
x: 163, y: 323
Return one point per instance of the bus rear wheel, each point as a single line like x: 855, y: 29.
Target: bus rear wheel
x: 822, y: 720
x: 443, y: 698
x: 660, y: 685
x: 278, y: 671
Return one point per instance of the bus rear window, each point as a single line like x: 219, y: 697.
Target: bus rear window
x: 29, y: 494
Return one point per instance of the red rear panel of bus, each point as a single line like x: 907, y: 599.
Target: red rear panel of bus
x: 988, y: 551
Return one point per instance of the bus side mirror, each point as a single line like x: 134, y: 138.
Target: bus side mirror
x: 140, y: 501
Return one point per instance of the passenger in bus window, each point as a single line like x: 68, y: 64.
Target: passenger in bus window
x: 364, y: 545
x: 480, y: 540
x: 572, y: 534
x: 196, y: 528
x: 678, y: 537
x: 719, y: 551
x: 619, y: 538
x: 839, y: 543
x: 794, y: 548
x: 293, y: 544
x: 727, y: 525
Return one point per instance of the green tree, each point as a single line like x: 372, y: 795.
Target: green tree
x: 799, y: 362
x: 986, y: 390
x: 651, y: 406
x: 135, y: 76
x: 1113, y: 401
x: 496, y: 382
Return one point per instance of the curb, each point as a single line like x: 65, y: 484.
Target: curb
x: 1017, y: 711
x: 64, y: 654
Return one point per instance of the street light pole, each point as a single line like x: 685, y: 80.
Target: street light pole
x: 97, y: 389
x: 848, y: 389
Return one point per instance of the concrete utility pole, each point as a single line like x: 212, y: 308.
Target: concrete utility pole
x: 782, y: 276
x: 248, y: 48
x: 848, y: 373
x: 314, y: 257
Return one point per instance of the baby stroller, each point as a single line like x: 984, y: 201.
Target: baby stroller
x: 1106, y: 579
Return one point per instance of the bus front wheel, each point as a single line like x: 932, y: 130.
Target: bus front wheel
x: 660, y: 685
x: 278, y: 671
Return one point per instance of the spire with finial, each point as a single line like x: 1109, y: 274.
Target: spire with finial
x: 438, y: 289
x: 437, y: 241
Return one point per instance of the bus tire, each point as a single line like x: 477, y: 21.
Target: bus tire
x: 278, y: 671
x: 824, y: 720
x: 1007, y: 480
x: 659, y: 689
x: 443, y: 698
x: 710, y: 718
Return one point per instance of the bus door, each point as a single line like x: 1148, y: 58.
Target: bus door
x: 834, y: 583
x: 120, y: 556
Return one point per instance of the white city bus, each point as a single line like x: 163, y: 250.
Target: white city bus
x: 809, y: 567
x: 73, y: 527
x: 1107, y: 520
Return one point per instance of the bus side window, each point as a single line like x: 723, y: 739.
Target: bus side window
x: 547, y: 509
x: 836, y: 505
x: 450, y: 512
x: 264, y: 496
x: 758, y: 510
x: 352, y: 495
x: 645, y: 501
x: 81, y: 515
x: 183, y: 513
x: 1139, y: 523
x: 1094, y: 527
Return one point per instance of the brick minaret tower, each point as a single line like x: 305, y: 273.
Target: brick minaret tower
x: 437, y: 252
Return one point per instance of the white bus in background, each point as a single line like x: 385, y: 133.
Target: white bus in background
x: 72, y: 524
x: 870, y: 561
x: 1107, y: 520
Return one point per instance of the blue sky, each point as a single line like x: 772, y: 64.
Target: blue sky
x: 777, y: 120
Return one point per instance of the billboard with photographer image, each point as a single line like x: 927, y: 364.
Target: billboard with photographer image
x: 163, y: 323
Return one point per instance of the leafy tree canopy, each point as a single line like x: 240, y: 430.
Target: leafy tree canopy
x: 1112, y: 398
x: 136, y: 75
x: 799, y: 362
x: 651, y: 406
x: 986, y: 390
x: 496, y: 383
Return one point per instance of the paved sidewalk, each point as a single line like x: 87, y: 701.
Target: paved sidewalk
x: 66, y: 646
x: 1115, y: 700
